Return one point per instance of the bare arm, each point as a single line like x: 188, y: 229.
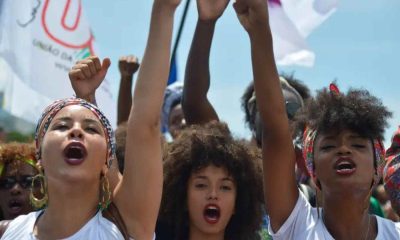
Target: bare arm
x: 138, y: 196
x: 196, y: 107
x: 127, y: 65
x: 280, y: 188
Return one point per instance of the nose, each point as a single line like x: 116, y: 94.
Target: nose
x: 76, y: 132
x: 16, y: 189
x: 213, y: 194
x: 344, y: 148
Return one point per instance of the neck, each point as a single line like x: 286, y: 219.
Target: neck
x: 346, y: 217
x: 196, y: 234
x: 69, y: 209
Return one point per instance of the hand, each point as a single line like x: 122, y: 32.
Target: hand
x: 211, y: 9
x: 87, y: 75
x: 252, y: 13
x: 128, y: 65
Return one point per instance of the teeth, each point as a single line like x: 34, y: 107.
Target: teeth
x: 212, y: 208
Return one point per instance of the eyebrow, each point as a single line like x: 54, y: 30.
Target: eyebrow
x: 205, y: 178
x: 69, y: 119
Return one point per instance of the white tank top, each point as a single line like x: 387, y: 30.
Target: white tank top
x: 97, y: 227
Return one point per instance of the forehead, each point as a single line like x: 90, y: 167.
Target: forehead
x: 212, y: 171
x: 338, y: 134
x: 76, y: 112
x: 18, y: 168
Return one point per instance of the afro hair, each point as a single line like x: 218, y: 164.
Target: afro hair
x: 357, y: 110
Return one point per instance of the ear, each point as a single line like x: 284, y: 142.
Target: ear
x: 318, y: 184
x: 104, y: 170
x: 375, y: 180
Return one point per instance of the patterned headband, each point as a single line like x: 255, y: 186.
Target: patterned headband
x: 310, y: 135
x: 391, y: 173
x: 51, y: 111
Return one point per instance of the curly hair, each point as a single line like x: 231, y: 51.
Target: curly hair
x: 16, y: 153
x: 212, y: 144
x: 357, y: 110
x: 250, y: 111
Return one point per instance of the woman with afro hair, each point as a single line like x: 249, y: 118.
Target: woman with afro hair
x: 343, y: 152
x: 212, y: 186
x: 17, y: 169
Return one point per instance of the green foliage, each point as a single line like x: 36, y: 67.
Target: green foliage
x: 19, y: 137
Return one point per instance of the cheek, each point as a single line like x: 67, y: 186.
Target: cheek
x: 193, y: 201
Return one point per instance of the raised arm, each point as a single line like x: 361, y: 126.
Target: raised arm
x: 196, y: 107
x: 280, y: 188
x: 138, y: 196
x: 127, y: 65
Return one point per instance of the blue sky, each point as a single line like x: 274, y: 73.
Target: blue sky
x: 359, y: 45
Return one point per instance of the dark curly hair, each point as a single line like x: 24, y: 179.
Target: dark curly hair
x: 356, y: 110
x: 212, y: 144
x: 250, y: 111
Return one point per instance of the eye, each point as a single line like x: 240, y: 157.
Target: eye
x: 60, y: 126
x: 358, y: 145
x: 92, y: 130
x: 327, y: 147
x: 226, y: 188
x: 200, y: 185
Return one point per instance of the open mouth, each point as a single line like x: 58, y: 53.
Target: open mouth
x: 211, y: 213
x: 345, y: 167
x: 15, y: 206
x: 75, y: 153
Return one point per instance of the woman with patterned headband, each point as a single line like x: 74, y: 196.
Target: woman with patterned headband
x: 343, y: 151
x: 391, y: 172
x: 75, y: 147
x: 17, y: 169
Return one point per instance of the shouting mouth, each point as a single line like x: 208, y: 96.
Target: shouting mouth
x: 211, y: 213
x: 75, y: 153
x: 345, y: 166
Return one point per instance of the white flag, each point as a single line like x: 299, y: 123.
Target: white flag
x: 40, y: 40
x: 291, y: 22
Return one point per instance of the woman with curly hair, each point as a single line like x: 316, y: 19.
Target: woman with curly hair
x: 212, y: 186
x: 343, y: 152
x: 17, y: 169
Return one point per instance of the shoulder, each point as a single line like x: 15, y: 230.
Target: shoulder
x: 387, y: 229
x: 303, y: 219
x: 21, y: 227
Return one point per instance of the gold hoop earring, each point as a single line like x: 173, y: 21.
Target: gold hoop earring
x: 105, y: 194
x: 36, y: 202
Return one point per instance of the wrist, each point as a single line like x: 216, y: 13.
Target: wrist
x: 127, y: 77
x: 162, y: 6
x: 260, y: 32
x: 207, y: 22
x: 89, y: 97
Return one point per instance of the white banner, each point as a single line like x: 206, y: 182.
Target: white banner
x: 40, y: 40
x: 291, y: 22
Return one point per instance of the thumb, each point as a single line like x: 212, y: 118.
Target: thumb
x: 106, y: 64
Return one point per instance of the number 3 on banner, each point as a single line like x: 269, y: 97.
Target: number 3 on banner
x: 63, y: 23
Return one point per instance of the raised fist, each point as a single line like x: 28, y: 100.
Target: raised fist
x: 128, y: 65
x: 87, y: 75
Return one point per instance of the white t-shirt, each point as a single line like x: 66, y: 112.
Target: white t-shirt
x: 303, y: 223
x: 97, y: 228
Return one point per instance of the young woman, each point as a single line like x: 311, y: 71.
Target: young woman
x: 212, y: 186
x: 391, y: 173
x: 75, y: 147
x: 342, y: 148
x: 17, y: 169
